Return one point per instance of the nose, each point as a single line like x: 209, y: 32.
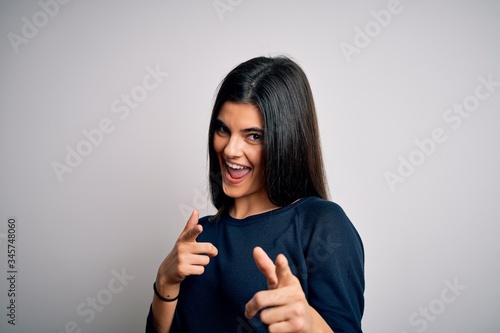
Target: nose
x: 234, y: 147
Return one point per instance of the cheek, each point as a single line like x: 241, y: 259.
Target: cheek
x: 218, y: 144
x: 258, y: 158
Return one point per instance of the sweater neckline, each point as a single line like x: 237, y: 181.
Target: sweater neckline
x: 258, y: 217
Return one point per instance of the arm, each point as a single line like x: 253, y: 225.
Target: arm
x: 188, y: 257
x: 335, y: 283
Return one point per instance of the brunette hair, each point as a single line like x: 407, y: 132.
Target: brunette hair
x: 293, y: 163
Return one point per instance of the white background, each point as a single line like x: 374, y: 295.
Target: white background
x: 123, y: 206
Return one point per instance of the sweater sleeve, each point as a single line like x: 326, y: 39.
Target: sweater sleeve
x: 150, y: 326
x: 335, y: 258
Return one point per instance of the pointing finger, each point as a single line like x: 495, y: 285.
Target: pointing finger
x: 283, y: 271
x: 192, y: 221
x: 192, y: 234
x: 191, y: 230
x: 266, y: 266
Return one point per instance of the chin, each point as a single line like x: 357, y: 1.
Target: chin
x: 233, y: 193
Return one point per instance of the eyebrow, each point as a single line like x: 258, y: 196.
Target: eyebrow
x: 246, y: 130
x: 253, y: 129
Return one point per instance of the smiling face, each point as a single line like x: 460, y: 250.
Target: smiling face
x: 238, y: 143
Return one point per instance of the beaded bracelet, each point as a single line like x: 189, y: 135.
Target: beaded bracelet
x: 161, y: 297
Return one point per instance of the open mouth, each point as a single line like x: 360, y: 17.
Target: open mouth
x: 236, y: 171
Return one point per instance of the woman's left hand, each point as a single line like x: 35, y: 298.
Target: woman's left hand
x: 284, y: 306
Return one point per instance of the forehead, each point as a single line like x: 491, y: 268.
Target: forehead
x: 241, y: 115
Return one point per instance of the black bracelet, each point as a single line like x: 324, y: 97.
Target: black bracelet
x: 161, y: 297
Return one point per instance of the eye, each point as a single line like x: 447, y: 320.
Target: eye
x: 221, y: 129
x: 255, y: 137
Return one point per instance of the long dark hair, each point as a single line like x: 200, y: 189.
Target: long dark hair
x: 293, y: 163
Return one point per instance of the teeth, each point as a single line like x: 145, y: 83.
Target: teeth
x: 235, y: 166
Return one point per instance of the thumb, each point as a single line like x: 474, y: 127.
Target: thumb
x: 283, y: 271
x: 191, y: 230
x: 266, y: 266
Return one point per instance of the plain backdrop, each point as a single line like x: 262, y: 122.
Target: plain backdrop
x: 407, y: 95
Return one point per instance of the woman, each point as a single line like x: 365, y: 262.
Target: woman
x: 268, y: 183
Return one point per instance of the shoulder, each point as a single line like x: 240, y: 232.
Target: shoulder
x: 315, y: 204
x: 335, y: 264
x: 317, y: 210
x: 323, y: 218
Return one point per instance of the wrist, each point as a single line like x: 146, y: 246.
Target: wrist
x: 318, y: 324
x: 166, y: 289
x: 169, y: 298
x: 163, y: 280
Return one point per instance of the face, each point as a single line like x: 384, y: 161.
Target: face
x: 238, y: 142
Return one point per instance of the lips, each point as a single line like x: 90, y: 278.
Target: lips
x: 236, y: 171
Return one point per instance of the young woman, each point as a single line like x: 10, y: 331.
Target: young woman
x: 268, y: 184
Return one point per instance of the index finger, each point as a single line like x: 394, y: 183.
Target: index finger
x: 266, y: 266
x: 283, y: 271
x: 190, y: 225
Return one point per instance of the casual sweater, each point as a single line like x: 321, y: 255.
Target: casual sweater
x: 324, y: 252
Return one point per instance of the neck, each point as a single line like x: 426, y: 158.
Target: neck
x: 251, y: 205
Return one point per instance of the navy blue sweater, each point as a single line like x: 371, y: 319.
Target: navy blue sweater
x: 323, y: 249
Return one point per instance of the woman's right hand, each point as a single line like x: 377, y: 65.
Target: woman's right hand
x: 188, y: 257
